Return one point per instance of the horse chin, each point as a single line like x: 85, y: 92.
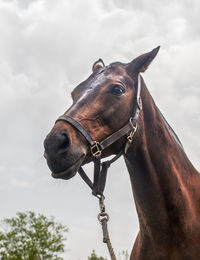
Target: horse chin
x: 69, y: 172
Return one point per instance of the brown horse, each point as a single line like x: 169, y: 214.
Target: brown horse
x: 166, y: 187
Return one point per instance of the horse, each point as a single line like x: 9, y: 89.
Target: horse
x: 114, y: 107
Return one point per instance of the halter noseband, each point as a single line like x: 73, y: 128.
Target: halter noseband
x: 96, y: 148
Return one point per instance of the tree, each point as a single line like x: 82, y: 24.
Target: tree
x: 122, y: 256
x: 31, y: 237
x: 95, y: 257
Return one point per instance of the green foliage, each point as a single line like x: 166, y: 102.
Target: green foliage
x: 31, y: 237
x: 95, y: 257
x: 124, y: 255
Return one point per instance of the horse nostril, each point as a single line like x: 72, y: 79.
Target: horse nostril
x: 65, y: 140
x: 57, y: 142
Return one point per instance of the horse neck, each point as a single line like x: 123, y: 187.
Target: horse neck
x: 164, y: 182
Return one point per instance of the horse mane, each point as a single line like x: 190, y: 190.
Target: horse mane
x: 170, y: 129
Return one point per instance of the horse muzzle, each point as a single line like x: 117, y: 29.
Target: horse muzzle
x: 63, y: 158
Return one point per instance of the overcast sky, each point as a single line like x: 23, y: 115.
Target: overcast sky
x: 46, y: 49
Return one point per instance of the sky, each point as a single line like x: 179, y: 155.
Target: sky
x: 49, y: 47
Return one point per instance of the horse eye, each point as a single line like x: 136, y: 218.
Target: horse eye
x: 117, y: 90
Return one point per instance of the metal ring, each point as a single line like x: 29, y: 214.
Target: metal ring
x: 96, y: 149
x: 102, y: 216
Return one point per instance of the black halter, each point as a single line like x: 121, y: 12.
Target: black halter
x: 96, y: 148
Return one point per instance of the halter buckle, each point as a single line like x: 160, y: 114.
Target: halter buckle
x: 96, y: 149
x: 134, y: 127
x: 130, y: 137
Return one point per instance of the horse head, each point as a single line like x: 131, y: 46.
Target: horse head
x: 102, y: 104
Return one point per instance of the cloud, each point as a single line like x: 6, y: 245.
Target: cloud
x: 46, y: 49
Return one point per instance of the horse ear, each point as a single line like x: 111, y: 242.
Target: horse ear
x: 97, y: 65
x: 141, y: 63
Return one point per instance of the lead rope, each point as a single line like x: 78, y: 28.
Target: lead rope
x: 103, y: 218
